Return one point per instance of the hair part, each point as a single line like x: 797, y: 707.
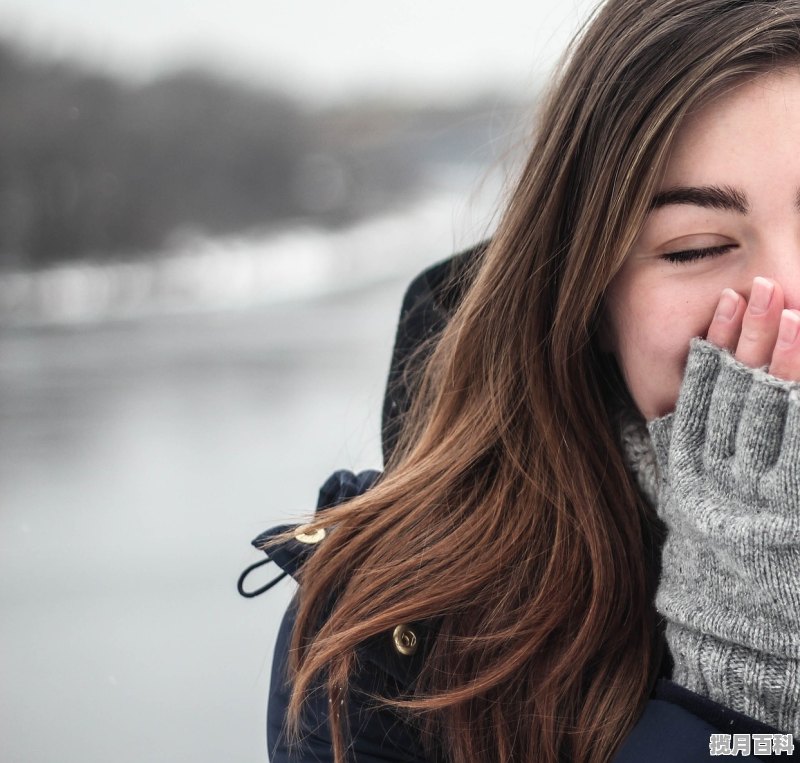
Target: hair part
x: 507, y: 516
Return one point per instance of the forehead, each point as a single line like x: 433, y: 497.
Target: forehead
x: 732, y: 132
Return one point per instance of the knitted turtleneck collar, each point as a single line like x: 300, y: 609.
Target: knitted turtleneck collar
x: 638, y: 451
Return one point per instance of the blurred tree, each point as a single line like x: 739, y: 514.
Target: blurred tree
x: 95, y: 167
x: 89, y: 165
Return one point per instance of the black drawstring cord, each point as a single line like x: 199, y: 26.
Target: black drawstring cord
x: 259, y: 591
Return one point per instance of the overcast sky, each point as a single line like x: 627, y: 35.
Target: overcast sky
x: 319, y: 49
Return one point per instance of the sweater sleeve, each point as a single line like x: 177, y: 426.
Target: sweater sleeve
x: 378, y: 734
x: 729, y: 463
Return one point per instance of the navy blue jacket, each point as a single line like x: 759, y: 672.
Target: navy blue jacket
x: 677, y: 726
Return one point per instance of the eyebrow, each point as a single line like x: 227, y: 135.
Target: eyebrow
x: 710, y: 196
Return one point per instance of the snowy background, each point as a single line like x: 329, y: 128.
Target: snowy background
x: 166, y: 397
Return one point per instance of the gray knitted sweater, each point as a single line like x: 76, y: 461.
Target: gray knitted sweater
x: 723, y: 471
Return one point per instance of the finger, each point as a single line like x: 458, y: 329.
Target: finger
x: 786, y: 356
x: 781, y: 486
x: 760, y: 323
x: 727, y: 402
x: 699, y: 378
x: 760, y: 433
x: 727, y: 322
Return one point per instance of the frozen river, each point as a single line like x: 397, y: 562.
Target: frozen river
x: 154, y: 418
x: 143, y: 445
x: 137, y: 460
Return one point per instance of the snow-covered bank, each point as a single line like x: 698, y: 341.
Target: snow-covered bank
x: 237, y: 272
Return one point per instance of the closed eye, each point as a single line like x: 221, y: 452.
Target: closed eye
x: 687, y: 255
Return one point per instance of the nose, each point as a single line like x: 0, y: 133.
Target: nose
x: 783, y: 266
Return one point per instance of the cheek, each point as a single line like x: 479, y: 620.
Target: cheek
x: 651, y: 344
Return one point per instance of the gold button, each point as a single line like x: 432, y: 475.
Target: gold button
x: 312, y: 536
x: 405, y: 640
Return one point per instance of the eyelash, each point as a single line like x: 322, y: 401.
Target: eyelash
x: 696, y: 254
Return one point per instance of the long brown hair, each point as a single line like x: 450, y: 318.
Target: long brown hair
x: 507, y: 516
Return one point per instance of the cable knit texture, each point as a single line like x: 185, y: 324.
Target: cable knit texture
x: 724, y: 472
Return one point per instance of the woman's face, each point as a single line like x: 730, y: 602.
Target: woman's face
x: 727, y: 211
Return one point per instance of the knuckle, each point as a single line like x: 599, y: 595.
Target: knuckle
x: 754, y: 333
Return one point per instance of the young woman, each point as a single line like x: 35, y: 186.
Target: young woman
x: 597, y: 484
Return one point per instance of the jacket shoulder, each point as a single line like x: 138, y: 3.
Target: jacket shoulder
x: 398, y: 653
x: 679, y: 726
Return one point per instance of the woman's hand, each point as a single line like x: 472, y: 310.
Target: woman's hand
x: 761, y: 333
x: 729, y: 461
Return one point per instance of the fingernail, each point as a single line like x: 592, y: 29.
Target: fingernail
x: 728, y: 302
x: 760, y: 295
x: 790, y: 324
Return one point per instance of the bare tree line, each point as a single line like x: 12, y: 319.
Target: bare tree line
x: 96, y: 167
